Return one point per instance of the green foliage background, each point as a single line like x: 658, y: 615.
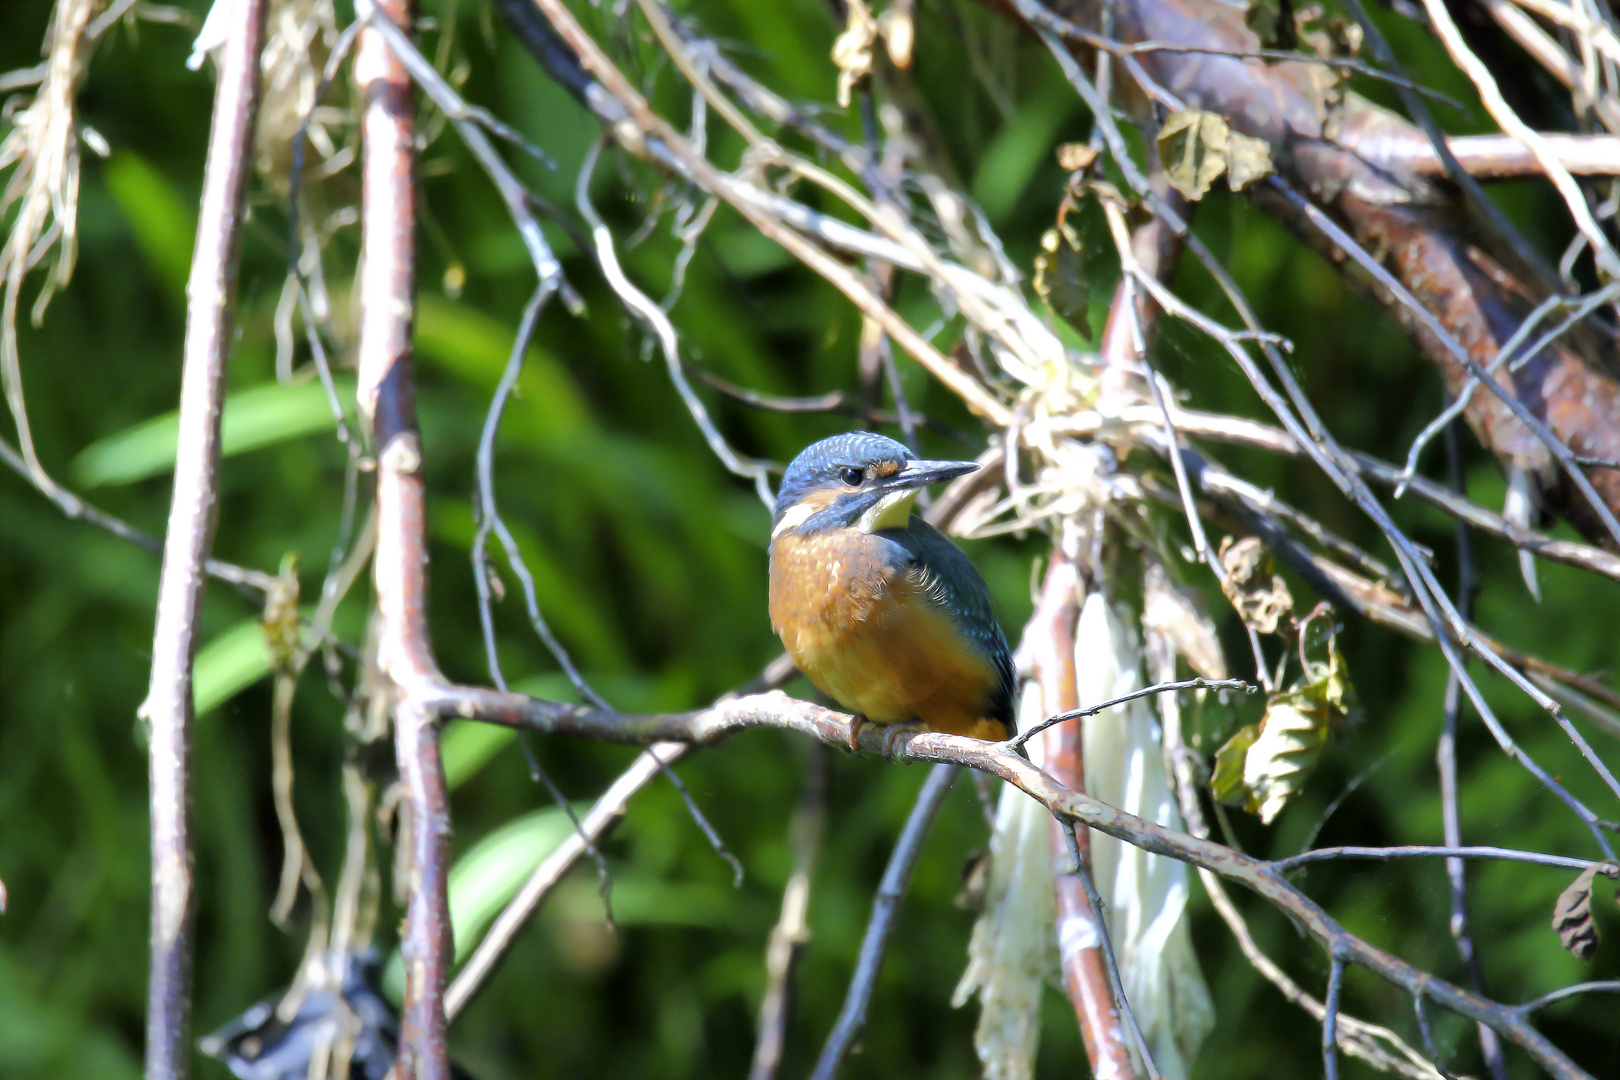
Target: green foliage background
x: 651, y: 567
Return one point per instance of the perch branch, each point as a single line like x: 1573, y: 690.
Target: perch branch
x: 777, y: 710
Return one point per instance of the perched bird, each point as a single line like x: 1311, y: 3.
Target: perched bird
x: 879, y: 609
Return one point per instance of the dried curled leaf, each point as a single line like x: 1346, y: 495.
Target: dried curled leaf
x: 1196, y: 147
x: 1264, y: 765
x: 1247, y: 160
x: 852, y: 51
x: 1060, y: 277
x: 1074, y: 156
x: 1260, y: 596
x: 1572, y: 915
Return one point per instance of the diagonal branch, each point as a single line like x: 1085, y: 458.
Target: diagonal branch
x: 777, y: 710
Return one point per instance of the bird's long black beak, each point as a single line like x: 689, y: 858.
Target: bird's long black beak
x: 916, y: 474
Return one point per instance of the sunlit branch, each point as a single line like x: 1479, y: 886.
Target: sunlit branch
x: 169, y: 708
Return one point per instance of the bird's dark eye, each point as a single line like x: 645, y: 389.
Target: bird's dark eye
x: 852, y: 476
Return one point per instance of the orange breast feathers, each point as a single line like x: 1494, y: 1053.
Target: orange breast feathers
x: 864, y: 629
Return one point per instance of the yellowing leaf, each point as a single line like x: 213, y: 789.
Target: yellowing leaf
x: 1247, y: 160
x: 1192, y: 148
x: 1195, y: 147
x: 1227, y: 779
x: 1282, y: 756
x: 1074, y: 156
x: 1264, y: 765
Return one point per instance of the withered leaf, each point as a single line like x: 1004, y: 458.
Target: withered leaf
x: 1192, y: 148
x: 1266, y: 764
x: 1074, y: 156
x: 1260, y: 596
x: 1247, y: 160
x: 1195, y: 147
x: 1572, y: 915
x: 899, y: 34
x: 1060, y: 277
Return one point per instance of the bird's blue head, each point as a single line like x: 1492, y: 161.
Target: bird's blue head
x: 859, y: 480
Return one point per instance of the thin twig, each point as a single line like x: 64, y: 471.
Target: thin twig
x: 251, y: 583
x: 1422, y: 851
x: 1445, y: 753
x: 1491, y: 96
x: 885, y: 906
x: 658, y: 323
x: 598, y: 821
x: 1311, y: 435
x: 776, y: 710
x: 1330, y: 1021
x: 168, y: 709
x: 1160, y: 688
x: 1112, y: 963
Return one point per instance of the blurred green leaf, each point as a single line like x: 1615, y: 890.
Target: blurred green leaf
x: 488, y: 876
x: 1008, y: 164
x: 468, y: 747
x: 164, y: 224
x: 230, y: 663
x: 254, y: 418
x: 476, y: 347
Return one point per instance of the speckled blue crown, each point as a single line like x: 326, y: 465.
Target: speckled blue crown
x: 820, y: 462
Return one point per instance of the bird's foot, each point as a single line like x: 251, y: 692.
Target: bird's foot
x: 855, y: 726
x: 893, y: 735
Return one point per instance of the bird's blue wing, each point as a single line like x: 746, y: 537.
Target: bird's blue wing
x: 952, y: 581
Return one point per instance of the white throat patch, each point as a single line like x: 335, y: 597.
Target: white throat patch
x: 890, y: 512
x: 796, y: 515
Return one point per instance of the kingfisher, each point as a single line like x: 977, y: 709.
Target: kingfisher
x: 883, y: 613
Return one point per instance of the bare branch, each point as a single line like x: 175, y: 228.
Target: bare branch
x: 168, y: 709
x: 885, y: 906
x: 387, y: 404
x: 776, y: 710
x: 597, y: 822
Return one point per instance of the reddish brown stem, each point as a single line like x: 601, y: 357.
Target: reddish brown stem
x: 168, y: 710
x: 387, y: 401
x: 1079, y: 926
